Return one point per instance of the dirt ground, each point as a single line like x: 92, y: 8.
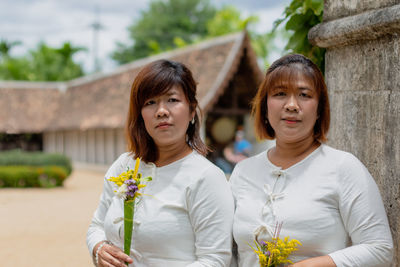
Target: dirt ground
x: 47, y: 227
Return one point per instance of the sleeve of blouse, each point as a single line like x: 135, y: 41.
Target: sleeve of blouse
x: 210, y: 208
x: 364, y: 218
x: 96, y: 232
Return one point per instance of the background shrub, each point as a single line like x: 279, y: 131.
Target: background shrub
x: 37, y: 158
x: 32, y: 176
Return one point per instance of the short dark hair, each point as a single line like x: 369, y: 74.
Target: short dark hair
x: 286, y: 69
x: 153, y: 80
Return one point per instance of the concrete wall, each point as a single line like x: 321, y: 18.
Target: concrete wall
x: 363, y: 76
x: 334, y: 9
x: 97, y: 146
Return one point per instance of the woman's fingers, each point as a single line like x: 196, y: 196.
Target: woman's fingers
x: 108, y: 260
x: 112, y: 256
x: 119, y: 254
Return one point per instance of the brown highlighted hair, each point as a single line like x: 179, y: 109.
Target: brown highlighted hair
x: 153, y: 80
x: 286, y: 70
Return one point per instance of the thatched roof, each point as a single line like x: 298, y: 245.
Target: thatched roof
x: 29, y: 108
x: 101, y: 100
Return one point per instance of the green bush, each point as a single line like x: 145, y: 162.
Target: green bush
x: 32, y: 176
x: 24, y: 158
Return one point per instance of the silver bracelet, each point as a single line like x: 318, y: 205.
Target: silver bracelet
x: 98, y: 250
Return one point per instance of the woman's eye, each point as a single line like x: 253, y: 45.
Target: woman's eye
x: 279, y: 94
x: 150, y: 102
x: 172, y: 99
x: 304, y: 95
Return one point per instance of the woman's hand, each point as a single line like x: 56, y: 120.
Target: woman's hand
x: 111, y: 256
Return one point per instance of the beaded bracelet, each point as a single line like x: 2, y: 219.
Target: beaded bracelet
x: 98, y: 250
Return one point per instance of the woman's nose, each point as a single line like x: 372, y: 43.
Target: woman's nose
x: 161, y: 110
x: 291, y: 104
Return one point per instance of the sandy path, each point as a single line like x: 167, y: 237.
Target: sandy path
x: 47, y: 227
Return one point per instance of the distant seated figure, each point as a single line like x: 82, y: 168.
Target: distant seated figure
x: 241, y: 149
x: 241, y: 145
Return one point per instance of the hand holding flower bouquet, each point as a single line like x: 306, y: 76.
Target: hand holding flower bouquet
x: 276, y: 252
x: 129, y: 185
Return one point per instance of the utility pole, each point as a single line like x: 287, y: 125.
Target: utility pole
x: 96, y: 26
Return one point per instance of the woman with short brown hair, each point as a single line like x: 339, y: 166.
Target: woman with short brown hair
x: 324, y: 198
x: 185, y: 216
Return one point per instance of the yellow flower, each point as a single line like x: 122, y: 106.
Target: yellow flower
x: 262, y: 259
x: 275, y: 252
x: 129, y: 183
x: 119, y: 180
x: 141, y: 186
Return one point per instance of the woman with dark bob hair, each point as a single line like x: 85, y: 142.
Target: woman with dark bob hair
x: 323, y: 197
x: 185, y: 216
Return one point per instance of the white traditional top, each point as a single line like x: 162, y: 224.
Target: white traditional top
x: 185, y: 218
x: 328, y: 201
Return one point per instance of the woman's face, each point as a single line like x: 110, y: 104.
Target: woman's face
x: 292, y: 110
x: 167, y: 116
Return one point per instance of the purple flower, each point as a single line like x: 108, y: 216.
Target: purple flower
x: 129, y: 181
x: 132, y: 188
x: 130, y: 194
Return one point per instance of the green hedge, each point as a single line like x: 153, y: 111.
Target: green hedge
x: 18, y: 157
x: 32, y: 176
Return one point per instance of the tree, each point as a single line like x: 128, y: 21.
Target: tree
x: 227, y: 20
x: 164, y: 26
x: 151, y: 36
x: 5, y: 47
x: 54, y: 64
x: 41, y: 64
x: 300, y: 17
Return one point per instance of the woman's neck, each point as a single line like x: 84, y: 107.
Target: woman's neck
x: 172, y: 153
x: 286, y: 155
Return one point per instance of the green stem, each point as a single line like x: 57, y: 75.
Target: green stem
x: 129, y: 210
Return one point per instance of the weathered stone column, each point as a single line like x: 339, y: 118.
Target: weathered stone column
x: 362, y: 72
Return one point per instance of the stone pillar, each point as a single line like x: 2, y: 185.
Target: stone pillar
x: 362, y: 72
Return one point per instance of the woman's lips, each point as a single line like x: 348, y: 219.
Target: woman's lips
x: 163, y: 125
x: 291, y: 120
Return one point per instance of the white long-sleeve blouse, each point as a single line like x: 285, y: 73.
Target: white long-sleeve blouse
x: 184, y: 218
x: 328, y: 201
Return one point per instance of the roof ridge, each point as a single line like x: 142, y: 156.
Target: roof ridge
x: 167, y: 54
x: 231, y: 64
x: 39, y: 85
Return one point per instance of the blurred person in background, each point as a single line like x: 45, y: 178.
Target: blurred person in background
x: 240, y: 150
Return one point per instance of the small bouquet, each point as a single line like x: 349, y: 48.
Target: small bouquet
x: 276, y: 252
x: 129, y: 185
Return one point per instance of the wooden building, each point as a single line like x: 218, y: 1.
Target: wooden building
x: 84, y: 118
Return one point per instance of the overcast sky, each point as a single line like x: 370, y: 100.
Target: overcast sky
x: 57, y: 21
